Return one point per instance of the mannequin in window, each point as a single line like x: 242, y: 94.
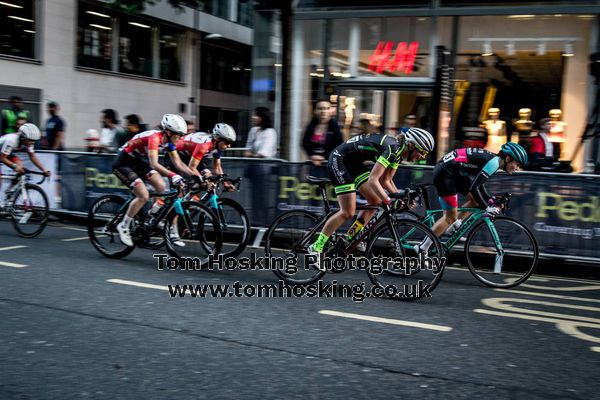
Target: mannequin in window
x: 558, y: 131
x: 496, y: 130
x: 523, y: 127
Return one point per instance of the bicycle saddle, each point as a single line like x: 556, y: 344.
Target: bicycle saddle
x: 319, y: 181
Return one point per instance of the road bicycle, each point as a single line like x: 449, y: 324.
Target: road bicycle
x: 388, y: 249
x: 233, y: 219
x: 501, y: 252
x: 197, y: 225
x: 26, y: 204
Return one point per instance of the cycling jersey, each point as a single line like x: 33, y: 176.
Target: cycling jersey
x: 140, y: 144
x: 465, y: 171
x: 383, y: 149
x: 131, y: 165
x: 347, y: 168
x: 11, y: 142
x: 198, y: 145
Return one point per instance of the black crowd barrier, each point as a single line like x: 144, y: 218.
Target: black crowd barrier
x: 563, y: 210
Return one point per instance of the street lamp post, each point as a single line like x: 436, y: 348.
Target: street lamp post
x: 195, y: 69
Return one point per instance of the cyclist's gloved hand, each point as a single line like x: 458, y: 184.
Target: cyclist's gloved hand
x: 47, y: 173
x: 19, y: 170
x: 177, y: 180
x: 492, y: 208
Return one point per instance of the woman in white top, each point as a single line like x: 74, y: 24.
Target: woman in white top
x: 262, y: 138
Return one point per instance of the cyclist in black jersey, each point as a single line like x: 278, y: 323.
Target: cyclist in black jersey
x: 465, y: 171
x: 349, y: 173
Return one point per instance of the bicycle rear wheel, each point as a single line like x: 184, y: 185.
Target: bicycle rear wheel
x: 103, y: 217
x: 287, y: 239
x: 30, y: 211
x: 501, y: 269
x: 401, y: 273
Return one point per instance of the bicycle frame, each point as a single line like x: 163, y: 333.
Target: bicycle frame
x: 475, y: 215
x: 381, y: 214
x: 162, y: 213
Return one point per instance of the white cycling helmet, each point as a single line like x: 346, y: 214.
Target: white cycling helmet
x: 29, y: 132
x: 420, y: 138
x: 174, y: 123
x: 225, y: 132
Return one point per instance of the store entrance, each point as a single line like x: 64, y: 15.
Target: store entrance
x: 385, y: 108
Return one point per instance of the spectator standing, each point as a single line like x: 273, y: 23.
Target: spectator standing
x: 110, y: 128
x: 132, y: 128
x: 541, y: 151
x: 410, y: 121
x: 9, y: 116
x: 191, y: 128
x: 262, y: 138
x: 55, y: 128
x: 92, y: 140
x: 322, y: 134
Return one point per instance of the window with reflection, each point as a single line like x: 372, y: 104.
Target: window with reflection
x: 225, y: 66
x: 314, y: 72
x: 245, y: 13
x: 17, y: 28
x: 171, y: 49
x: 94, y: 37
x: 391, y: 47
x: 135, y: 46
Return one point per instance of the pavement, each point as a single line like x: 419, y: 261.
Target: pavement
x: 77, y: 325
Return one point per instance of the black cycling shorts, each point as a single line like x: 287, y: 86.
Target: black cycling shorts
x: 448, y: 184
x: 128, y: 168
x: 346, y: 174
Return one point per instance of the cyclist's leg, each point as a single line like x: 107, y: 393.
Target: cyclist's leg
x: 470, y: 203
x: 345, y: 190
x: 126, y: 168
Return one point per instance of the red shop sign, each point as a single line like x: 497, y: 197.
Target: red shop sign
x: 402, y: 60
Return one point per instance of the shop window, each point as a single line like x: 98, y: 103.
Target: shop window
x: 513, y: 70
x: 314, y: 70
x: 170, y: 50
x: 18, y: 28
x: 135, y: 46
x: 94, y: 37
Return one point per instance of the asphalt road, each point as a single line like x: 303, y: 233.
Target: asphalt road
x: 74, y: 324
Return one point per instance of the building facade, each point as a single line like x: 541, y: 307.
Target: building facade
x: 385, y: 60
x: 89, y: 57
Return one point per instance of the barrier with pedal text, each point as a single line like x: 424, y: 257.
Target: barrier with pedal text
x: 563, y: 210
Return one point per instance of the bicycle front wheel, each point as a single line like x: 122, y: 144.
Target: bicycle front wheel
x: 30, y: 211
x: 288, y: 238
x: 235, y: 226
x: 199, y: 231
x: 502, y: 254
x: 103, y: 217
x: 396, y: 269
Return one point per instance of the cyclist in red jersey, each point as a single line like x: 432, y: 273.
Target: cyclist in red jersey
x: 194, y: 150
x: 138, y: 161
